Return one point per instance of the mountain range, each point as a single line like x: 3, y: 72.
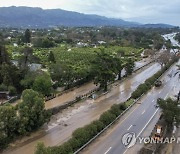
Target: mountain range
x: 38, y: 18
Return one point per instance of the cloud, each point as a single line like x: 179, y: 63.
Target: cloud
x: 142, y: 10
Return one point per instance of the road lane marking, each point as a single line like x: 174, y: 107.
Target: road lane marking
x: 143, y: 112
x: 148, y: 122
x: 129, y: 127
x: 128, y: 115
x: 159, y: 92
x: 144, y: 127
x: 166, y: 96
x: 108, y: 150
x: 153, y: 100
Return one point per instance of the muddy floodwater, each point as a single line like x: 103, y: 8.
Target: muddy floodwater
x: 64, y: 123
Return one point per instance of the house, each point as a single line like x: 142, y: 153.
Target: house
x: 81, y: 44
x: 101, y: 42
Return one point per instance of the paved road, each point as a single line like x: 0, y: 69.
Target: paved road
x: 56, y: 132
x: 138, y: 118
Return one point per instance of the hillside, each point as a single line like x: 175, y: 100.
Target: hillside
x: 39, y: 18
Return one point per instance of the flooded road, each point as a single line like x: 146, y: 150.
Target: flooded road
x: 84, y: 89
x: 70, y: 96
x: 63, y: 124
x: 171, y: 38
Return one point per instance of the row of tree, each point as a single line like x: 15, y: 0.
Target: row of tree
x: 104, y: 68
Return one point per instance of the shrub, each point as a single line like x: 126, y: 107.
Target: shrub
x: 99, y: 125
x: 91, y: 130
x: 107, y: 118
x: 115, y: 110
x: 12, y: 90
x: 129, y: 102
x: 74, y: 143
x: 65, y: 148
x: 41, y: 149
x: 3, y: 87
x: 81, y: 135
x: 123, y: 106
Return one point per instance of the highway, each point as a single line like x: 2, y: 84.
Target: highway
x: 136, y: 120
x: 63, y: 124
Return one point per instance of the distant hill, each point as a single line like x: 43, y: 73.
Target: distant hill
x: 38, y: 18
x: 157, y: 26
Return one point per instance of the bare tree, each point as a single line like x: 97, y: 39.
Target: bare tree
x: 164, y: 58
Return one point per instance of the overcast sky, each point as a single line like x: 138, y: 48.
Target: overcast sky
x: 144, y: 11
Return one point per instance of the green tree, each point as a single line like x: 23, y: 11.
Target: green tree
x: 44, y: 42
x: 168, y: 44
x: 51, y: 57
x: 27, y: 36
x: 6, y: 76
x: 8, y: 124
x: 170, y: 110
x: 119, y: 63
x: 26, y: 58
x: 31, y: 111
x: 105, y: 68
x: 10, y: 75
x: 28, y: 80
x: 4, y: 56
x: 129, y: 66
x: 43, y: 84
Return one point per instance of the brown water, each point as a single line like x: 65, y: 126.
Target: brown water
x: 63, y: 124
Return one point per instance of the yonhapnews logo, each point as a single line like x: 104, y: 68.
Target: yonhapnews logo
x: 130, y: 139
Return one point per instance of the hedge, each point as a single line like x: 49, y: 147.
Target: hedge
x: 82, y: 135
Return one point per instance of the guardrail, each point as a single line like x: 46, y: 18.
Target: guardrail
x: 114, y: 121
x: 95, y: 137
x: 11, y: 100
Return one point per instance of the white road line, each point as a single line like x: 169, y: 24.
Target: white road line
x: 144, y: 127
x: 166, y: 96
x: 148, y: 122
x: 108, y: 150
x: 159, y: 92
x: 143, y: 112
x: 129, y: 127
x: 153, y: 100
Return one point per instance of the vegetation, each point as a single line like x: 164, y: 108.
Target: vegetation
x: 177, y: 37
x: 10, y: 76
x: 27, y: 36
x: 170, y: 110
x: 70, y: 65
x: 105, y: 68
x: 84, y: 134
x: 43, y: 84
x: 26, y: 117
x: 69, y: 57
